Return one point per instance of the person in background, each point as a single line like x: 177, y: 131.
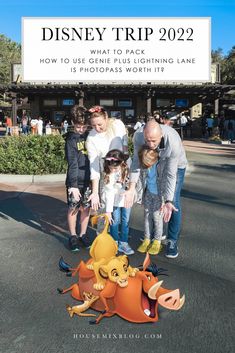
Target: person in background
x: 210, y: 124
x: 34, y: 126
x: 65, y: 125
x: 158, y: 117
x: 78, y: 178
x: 203, y: 125
x: 221, y: 125
x: 40, y: 126
x: 115, y: 180
x: 48, y: 127
x: 189, y: 127
x: 183, y: 122
x: 24, y: 124
x: 8, y: 120
x: 140, y: 122
x: 166, y: 120
x: 230, y: 130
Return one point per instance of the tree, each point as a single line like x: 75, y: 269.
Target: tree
x: 229, y: 68
x: 10, y: 52
x: 227, y: 65
x: 217, y: 56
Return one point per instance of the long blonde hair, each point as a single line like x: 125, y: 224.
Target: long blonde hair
x: 147, y: 157
x: 99, y: 111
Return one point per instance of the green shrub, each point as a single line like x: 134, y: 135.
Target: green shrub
x: 32, y: 155
x: 35, y: 155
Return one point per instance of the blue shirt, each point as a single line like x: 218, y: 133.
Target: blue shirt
x: 151, y: 180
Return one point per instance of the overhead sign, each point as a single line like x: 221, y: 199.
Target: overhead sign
x: 116, y: 50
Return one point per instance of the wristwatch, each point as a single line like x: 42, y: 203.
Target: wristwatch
x: 167, y: 201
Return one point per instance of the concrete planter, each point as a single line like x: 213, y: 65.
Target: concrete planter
x: 11, y: 178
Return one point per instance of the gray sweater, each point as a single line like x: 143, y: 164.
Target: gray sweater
x: 172, y: 156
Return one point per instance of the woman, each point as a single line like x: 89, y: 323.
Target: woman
x: 106, y: 134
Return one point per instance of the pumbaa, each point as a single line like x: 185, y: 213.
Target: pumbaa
x: 137, y: 302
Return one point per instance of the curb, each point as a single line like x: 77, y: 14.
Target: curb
x: 11, y: 178
x: 49, y: 178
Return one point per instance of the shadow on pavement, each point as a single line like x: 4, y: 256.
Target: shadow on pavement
x: 205, y: 198
x: 221, y: 167
x: 40, y: 212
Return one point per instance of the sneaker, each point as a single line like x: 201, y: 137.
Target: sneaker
x: 85, y: 240
x: 73, y: 243
x: 171, y: 250
x: 155, y: 247
x: 144, y: 246
x: 125, y: 248
x: 164, y: 240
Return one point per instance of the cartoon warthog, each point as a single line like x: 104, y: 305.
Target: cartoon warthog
x: 138, y: 302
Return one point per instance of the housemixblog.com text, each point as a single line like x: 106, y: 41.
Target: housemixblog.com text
x: 117, y: 336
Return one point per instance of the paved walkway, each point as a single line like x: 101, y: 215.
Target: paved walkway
x: 203, y: 146
x: 33, y: 315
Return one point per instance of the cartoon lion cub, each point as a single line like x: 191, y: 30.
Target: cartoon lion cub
x: 117, y: 270
x: 104, y: 262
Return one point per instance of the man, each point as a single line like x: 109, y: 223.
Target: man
x: 183, y: 124
x: 170, y: 175
x: 167, y: 120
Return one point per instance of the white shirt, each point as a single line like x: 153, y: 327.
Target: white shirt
x: 99, y: 144
x: 40, y: 126
x: 138, y: 125
x: 34, y: 122
x: 183, y: 120
x: 113, y: 192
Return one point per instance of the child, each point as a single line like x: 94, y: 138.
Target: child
x: 78, y: 178
x: 152, y: 202
x: 115, y: 175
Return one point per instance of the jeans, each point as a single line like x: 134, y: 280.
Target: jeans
x: 121, y: 216
x: 174, y: 224
x: 230, y: 135
x: 25, y: 130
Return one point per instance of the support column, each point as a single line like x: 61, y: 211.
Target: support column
x: 149, y: 105
x: 14, y: 111
x: 216, y: 106
x: 81, y: 99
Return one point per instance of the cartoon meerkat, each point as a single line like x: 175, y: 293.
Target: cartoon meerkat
x: 89, y: 299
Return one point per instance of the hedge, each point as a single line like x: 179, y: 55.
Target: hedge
x: 35, y: 155
x: 32, y: 155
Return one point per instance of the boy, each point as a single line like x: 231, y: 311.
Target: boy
x: 78, y: 178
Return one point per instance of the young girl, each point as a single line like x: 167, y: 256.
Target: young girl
x: 152, y: 202
x: 115, y: 177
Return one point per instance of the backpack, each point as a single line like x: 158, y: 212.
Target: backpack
x: 230, y: 125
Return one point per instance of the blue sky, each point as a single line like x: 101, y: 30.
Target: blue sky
x: 222, y: 13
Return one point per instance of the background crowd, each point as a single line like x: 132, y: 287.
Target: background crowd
x: 211, y: 125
